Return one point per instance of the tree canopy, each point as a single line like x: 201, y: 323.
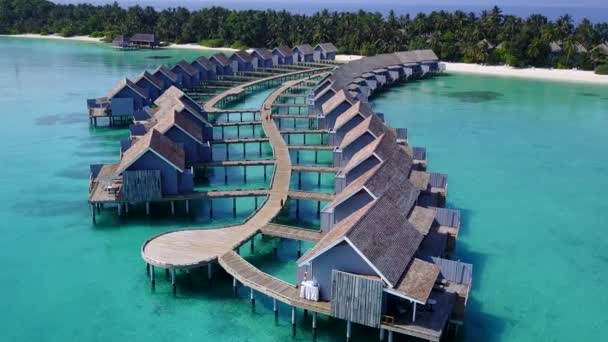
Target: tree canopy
x: 487, y: 37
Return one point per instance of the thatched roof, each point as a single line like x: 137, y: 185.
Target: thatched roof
x: 221, y: 59
x: 305, y: 49
x: 126, y: 83
x: 185, y: 66
x: 242, y: 55
x: 165, y: 71
x: 327, y: 47
x: 283, y: 51
x: 154, y: 142
x: 150, y: 78
x: 262, y: 52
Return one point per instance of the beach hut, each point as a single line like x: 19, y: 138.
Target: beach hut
x: 205, y: 68
x: 599, y: 53
x: 166, y: 76
x: 262, y: 57
x: 122, y: 42
x: 325, y: 52
x: 241, y: 61
x: 222, y: 64
x: 176, y: 125
x: 303, y: 53
x: 189, y: 75
x: 145, y: 40
x: 153, y: 167
x: 151, y: 83
x: 126, y: 97
x: 348, y: 120
x: 282, y: 56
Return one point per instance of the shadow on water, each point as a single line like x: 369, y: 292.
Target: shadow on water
x: 474, y: 96
x: 61, y: 119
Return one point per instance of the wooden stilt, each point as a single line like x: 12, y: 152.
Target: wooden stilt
x: 148, y: 208
x: 390, y: 336
x: 275, y: 308
x: 245, y: 174
x: 173, y: 285
x: 172, y: 207
x: 94, y: 213
x: 147, y: 269
x: 234, y: 206
x: 251, y: 296
x: 209, y: 271
x: 314, y: 320
x: 152, y: 280
x: 299, y: 248
x: 293, y: 315
x: 381, y: 334
x: 348, y: 330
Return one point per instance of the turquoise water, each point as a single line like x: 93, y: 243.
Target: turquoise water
x: 526, y: 165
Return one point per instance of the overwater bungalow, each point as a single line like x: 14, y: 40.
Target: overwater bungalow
x: 358, y: 138
x: 121, y: 101
x: 353, y: 116
x: 222, y: 64
x: 151, y: 83
x: 282, y: 56
x: 334, y: 107
x: 262, y: 58
x: 325, y: 52
x: 188, y: 75
x: 303, y: 53
x: 241, y: 61
x: 166, y: 76
x: 122, y: 42
x: 177, y: 100
x: 205, y: 68
x: 176, y: 125
x: 145, y: 40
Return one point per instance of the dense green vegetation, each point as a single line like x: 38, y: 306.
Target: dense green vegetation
x: 490, y: 37
x: 602, y: 69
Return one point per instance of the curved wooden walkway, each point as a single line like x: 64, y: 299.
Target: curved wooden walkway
x: 191, y: 248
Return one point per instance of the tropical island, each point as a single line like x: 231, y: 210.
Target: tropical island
x: 488, y: 38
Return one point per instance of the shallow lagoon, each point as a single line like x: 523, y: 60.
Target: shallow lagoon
x: 526, y: 161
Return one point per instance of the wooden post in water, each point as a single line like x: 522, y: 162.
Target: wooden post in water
x: 390, y: 336
x: 209, y: 271
x: 314, y: 320
x: 152, y: 280
x: 251, y: 296
x: 381, y: 334
x: 172, y: 207
x: 275, y: 308
x: 300, y: 250
x: 187, y: 206
x: 148, y: 208
x: 348, y: 330
x: 173, y: 285
x: 234, y: 206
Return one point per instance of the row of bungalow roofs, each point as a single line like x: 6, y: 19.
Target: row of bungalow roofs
x: 387, y: 223
x: 129, y: 97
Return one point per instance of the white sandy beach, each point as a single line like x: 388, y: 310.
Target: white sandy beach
x: 54, y: 36
x: 347, y: 58
x: 193, y: 46
x: 564, y: 75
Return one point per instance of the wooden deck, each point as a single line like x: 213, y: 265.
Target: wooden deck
x: 217, y: 194
x: 252, y: 277
x: 312, y: 147
x: 220, y: 163
x: 293, y: 116
x: 315, y: 169
x: 293, y: 233
x: 310, y: 196
x: 193, y: 248
x: 239, y: 141
x: 236, y: 123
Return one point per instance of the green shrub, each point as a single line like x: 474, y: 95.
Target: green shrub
x: 239, y: 45
x: 218, y: 42
x: 602, y: 69
x: 97, y: 34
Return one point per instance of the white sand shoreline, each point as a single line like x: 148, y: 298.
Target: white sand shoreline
x: 55, y: 37
x: 561, y: 75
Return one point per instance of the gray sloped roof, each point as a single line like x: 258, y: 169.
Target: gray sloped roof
x: 221, y: 58
x: 386, y: 238
x: 327, y: 47
x: 151, y: 78
x: 244, y: 56
x: 204, y: 62
x: 454, y: 271
x: 186, y: 67
x: 284, y: 51
x: 143, y: 37
x: 263, y: 52
x: 305, y: 49
x: 167, y: 72
x: 126, y: 83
